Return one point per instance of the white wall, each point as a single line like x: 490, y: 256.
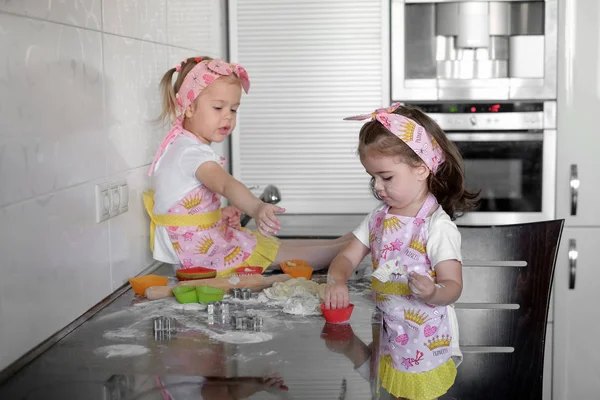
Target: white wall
x: 78, y: 87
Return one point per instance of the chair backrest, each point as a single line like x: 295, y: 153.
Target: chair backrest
x: 507, y: 272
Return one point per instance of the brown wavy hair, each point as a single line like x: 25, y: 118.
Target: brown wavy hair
x: 447, y: 184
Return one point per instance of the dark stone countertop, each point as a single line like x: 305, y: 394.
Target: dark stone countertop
x: 200, y: 360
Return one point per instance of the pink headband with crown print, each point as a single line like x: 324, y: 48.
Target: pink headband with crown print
x: 202, y: 75
x: 410, y: 132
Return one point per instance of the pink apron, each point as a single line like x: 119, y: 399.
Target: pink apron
x: 415, y: 342
x: 213, y: 245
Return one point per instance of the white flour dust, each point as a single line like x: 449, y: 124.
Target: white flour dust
x: 302, y: 304
x: 188, y: 317
x: 236, y: 337
x: 122, y: 350
x: 123, y: 333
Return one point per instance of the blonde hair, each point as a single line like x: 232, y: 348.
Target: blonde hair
x: 168, y: 89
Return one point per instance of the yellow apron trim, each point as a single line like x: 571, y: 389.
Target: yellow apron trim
x: 397, y: 288
x: 416, y: 385
x: 263, y: 254
x: 199, y: 220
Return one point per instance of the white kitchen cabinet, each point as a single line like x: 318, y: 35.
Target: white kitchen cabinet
x: 311, y: 64
x: 578, y: 141
x: 576, y: 316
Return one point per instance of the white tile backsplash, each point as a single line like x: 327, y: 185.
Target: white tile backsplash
x: 133, y: 69
x: 55, y: 266
x: 138, y: 19
x: 83, y: 13
x: 76, y: 102
x: 130, y: 232
x: 196, y: 24
x: 51, y: 108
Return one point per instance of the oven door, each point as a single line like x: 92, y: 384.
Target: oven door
x: 513, y: 171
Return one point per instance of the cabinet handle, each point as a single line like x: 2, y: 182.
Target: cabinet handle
x: 574, y: 183
x: 573, y: 254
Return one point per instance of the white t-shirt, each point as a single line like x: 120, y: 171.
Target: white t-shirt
x: 174, y: 177
x: 443, y: 241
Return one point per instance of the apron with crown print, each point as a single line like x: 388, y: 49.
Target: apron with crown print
x: 212, y: 245
x: 415, y: 341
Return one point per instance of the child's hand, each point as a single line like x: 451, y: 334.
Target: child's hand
x: 336, y: 296
x: 231, y: 216
x: 421, y: 286
x: 266, y: 221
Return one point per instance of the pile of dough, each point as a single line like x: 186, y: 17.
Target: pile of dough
x: 295, y: 287
x: 298, y: 296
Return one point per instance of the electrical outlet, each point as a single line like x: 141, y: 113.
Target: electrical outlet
x: 103, y: 202
x: 116, y: 194
x: 124, y: 197
x: 112, y: 199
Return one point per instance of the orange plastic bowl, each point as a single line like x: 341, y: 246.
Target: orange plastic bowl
x: 242, y: 271
x: 188, y: 274
x: 297, y: 268
x: 141, y: 283
x: 339, y: 316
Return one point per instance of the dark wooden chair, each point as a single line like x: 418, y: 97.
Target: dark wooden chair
x: 503, y: 311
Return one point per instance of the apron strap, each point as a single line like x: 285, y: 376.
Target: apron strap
x: 208, y: 218
x: 429, y: 203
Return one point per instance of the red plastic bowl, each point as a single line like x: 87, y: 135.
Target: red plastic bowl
x: 242, y: 271
x: 188, y: 274
x: 339, y: 316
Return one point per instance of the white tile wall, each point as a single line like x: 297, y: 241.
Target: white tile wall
x: 129, y: 231
x: 83, y: 13
x: 137, y: 19
x: 55, y: 266
x: 78, y: 90
x: 133, y: 69
x: 51, y: 106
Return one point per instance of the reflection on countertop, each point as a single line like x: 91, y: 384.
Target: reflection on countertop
x: 115, y: 355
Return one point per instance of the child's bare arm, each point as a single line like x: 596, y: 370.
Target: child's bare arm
x: 449, y: 284
x: 336, y: 291
x: 214, y: 177
x: 346, y: 261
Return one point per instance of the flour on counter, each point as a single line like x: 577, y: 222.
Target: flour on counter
x: 190, y: 306
x: 302, y: 304
x: 122, y: 333
x: 237, y: 337
x: 122, y: 350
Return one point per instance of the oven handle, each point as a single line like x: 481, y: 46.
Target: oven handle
x: 573, y: 255
x: 574, y: 184
x: 494, y: 137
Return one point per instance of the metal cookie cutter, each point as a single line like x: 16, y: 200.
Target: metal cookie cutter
x: 162, y: 328
x: 255, y: 322
x: 246, y: 294
x: 241, y: 293
x: 218, y: 308
x: 246, y: 323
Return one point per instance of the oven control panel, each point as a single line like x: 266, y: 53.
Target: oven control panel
x: 491, y: 116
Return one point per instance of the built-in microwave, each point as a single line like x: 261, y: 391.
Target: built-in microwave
x: 473, y: 50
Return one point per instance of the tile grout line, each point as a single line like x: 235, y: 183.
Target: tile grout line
x: 63, y: 189
x: 95, y: 30
x: 105, y: 120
